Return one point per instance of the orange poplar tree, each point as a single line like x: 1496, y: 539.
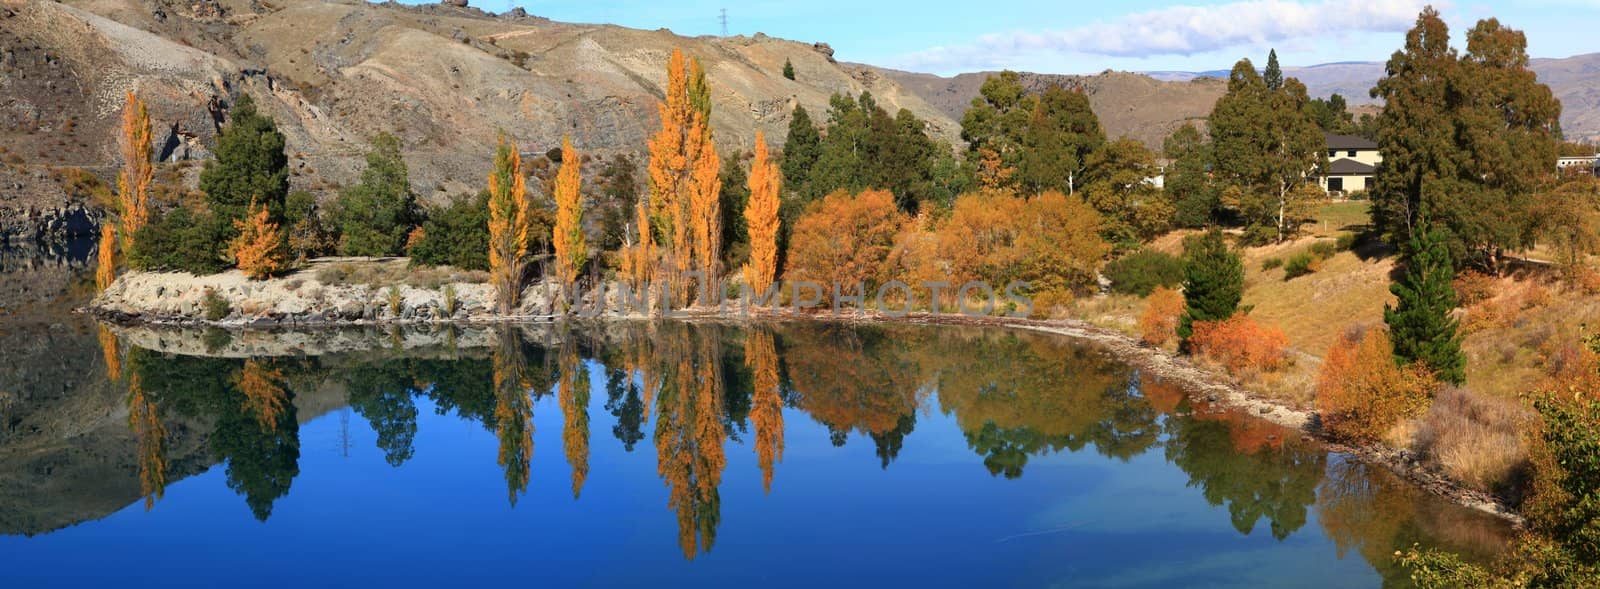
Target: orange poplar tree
x: 151, y: 438
x: 264, y: 395
x: 684, y: 187
x: 573, y: 393
x: 761, y: 215
x: 571, y: 247
x: 106, y: 269
x: 133, y: 182
x: 508, y: 225
x: 259, y: 248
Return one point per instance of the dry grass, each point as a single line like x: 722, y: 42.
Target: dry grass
x: 388, y: 271
x: 1513, y: 335
x: 1476, y: 439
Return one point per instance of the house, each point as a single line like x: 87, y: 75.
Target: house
x: 1352, y: 161
x: 1578, y: 164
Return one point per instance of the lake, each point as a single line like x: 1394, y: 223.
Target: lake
x: 669, y: 454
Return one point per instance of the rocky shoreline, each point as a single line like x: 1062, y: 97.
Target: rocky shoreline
x: 303, y: 301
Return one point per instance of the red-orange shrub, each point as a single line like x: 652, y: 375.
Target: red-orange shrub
x: 1159, y: 323
x: 1240, y: 344
x: 1362, y: 393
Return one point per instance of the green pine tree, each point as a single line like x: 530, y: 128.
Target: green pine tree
x: 800, y: 149
x: 250, y: 164
x: 1273, y: 75
x: 1213, y: 281
x: 734, y: 195
x: 375, y: 216
x: 1420, y: 324
x: 788, y: 69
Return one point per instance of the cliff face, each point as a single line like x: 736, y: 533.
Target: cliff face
x: 445, y: 79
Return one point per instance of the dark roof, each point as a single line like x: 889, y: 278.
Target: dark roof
x: 1349, y: 167
x: 1337, y: 141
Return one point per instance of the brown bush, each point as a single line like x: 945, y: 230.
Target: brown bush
x: 1362, y: 393
x: 1241, y: 345
x: 1476, y: 439
x: 1473, y: 287
x: 1159, y: 322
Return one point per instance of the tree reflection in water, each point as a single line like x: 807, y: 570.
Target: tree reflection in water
x: 1014, y: 396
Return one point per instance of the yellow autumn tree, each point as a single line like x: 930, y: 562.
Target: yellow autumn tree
x: 133, y: 182
x: 572, y: 250
x: 761, y: 216
x: 508, y: 225
x: 106, y: 258
x: 766, y: 411
x: 684, y: 186
x: 689, y: 436
x: 111, y: 351
x: 259, y: 248
x: 639, y: 255
x: 573, y: 390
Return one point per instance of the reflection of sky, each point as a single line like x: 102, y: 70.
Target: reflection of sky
x: 834, y: 517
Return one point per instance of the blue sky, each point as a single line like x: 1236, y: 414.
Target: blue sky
x: 1068, y: 36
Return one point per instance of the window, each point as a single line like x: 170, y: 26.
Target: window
x: 1351, y: 153
x: 1336, y: 185
x: 1333, y: 153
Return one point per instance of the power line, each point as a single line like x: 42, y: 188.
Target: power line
x: 724, y: 20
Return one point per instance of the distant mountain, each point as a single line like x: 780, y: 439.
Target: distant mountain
x: 1139, y: 106
x: 1574, y: 80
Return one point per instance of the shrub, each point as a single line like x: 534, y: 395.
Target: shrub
x: 1271, y: 263
x: 456, y: 235
x: 1159, y: 322
x: 1362, y: 393
x: 1473, y: 287
x: 216, y: 307
x: 1140, y: 272
x: 1324, y: 249
x: 449, y: 300
x: 1241, y: 345
x: 1301, y: 264
x: 1345, y: 242
x: 182, y: 241
x: 1476, y: 439
x: 1255, y: 235
x: 396, y: 300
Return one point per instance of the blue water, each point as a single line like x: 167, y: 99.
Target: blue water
x: 986, y: 487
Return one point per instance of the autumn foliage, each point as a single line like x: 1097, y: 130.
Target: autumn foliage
x: 133, y: 181
x: 761, y: 216
x: 1362, y: 393
x: 151, y: 437
x: 766, y: 411
x: 264, y: 395
x: 508, y: 225
x: 572, y: 250
x: 105, y: 271
x: 1240, y: 345
x: 684, y: 187
x: 259, y: 249
x: 1159, y: 322
x: 845, y: 239
x: 573, y: 393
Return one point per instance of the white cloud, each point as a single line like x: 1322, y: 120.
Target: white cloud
x: 1180, y: 30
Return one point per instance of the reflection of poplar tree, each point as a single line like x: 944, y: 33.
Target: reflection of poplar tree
x: 767, y: 414
x: 689, y: 436
x: 150, y: 438
x: 574, y: 398
x: 513, y: 414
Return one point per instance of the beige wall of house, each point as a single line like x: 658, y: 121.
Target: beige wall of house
x: 1369, y: 157
x: 1348, y: 184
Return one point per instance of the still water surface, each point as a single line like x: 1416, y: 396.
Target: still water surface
x: 676, y: 454
x: 663, y: 454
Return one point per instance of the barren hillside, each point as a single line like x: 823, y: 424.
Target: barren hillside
x: 445, y: 79
x: 1129, y: 105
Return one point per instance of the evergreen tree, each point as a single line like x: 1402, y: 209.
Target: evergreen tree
x: 1467, y: 140
x: 1420, y: 323
x: 1043, y: 139
x: 788, y: 69
x: 1273, y: 76
x: 250, y: 164
x: 735, y: 193
x: 1188, y: 182
x: 1213, y: 281
x: 1264, y: 146
x: 800, y: 149
x: 375, y: 216
x: 1332, y: 115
